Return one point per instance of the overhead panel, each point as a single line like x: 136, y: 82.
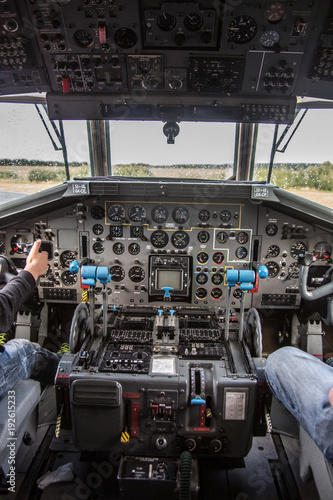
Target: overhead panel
x: 172, y: 54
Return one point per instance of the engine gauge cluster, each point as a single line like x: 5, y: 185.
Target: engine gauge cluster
x: 213, y: 236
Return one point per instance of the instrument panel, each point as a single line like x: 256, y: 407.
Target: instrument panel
x: 161, y: 250
x: 179, y: 61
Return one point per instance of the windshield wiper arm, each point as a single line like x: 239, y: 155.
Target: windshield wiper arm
x: 60, y: 135
x: 276, y: 142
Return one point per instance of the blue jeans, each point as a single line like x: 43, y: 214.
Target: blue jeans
x: 26, y: 360
x: 302, y: 383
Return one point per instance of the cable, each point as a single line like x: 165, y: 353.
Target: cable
x: 185, y: 473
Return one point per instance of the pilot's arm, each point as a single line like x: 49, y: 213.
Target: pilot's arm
x: 16, y: 292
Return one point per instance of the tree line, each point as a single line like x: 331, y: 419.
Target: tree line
x: 38, y: 163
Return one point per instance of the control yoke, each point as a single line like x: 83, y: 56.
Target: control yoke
x: 7, y: 269
x: 319, y: 293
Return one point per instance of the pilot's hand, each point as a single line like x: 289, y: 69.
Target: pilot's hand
x: 330, y: 396
x: 37, y: 261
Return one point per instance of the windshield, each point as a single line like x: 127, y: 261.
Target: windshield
x: 200, y: 151
x: 32, y: 154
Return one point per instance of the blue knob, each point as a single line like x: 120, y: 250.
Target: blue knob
x: 198, y: 401
x: 167, y: 291
x: 160, y: 312
x: 74, y: 267
x: 263, y: 272
x: 172, y: 312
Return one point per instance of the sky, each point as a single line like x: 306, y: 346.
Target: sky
x: 22, y: 135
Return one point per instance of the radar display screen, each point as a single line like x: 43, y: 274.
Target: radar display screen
x: 169, y: 278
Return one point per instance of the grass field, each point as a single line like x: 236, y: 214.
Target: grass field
x: 22, y: 185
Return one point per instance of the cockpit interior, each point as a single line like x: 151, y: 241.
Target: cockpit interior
x: 170, y: 280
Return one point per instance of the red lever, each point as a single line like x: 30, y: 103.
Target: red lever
x: 65, y: 84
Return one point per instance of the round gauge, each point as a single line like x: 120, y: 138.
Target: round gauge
x: 97, y: 229
x: 269, y: 39
x: 273, y: 268
x: 193, y: 21
x: 83, y: 38
x: 242, y: 238
x: 137, y: 213
x: 159, y: 214
x: 218, y: 258
x: 322, y: 250
x: 237, y: 293
x: 201, y: 278
x: 116, y: 213
x: 203, y: 236
x: 136, y: 274
x: 271, y: 229
x: 159, y: 239
x: 273, y: 251
x: 19, y: 243
x: 241, y: 253
x: 166, y: 21
x: 180, y: 239
x: 117, y: 273
x: 221, y: 237
x: 297, y: 249
x: 216, y: 293
x: 67, y: 257
x: 125, y: 38
x: 204, y: 215
x: 242, y: 29
x: 118, y: 248
x: 225, y: 216
x: 97, y: 212
x: 137, y: 232
x: 145, y: 67
x: 180, y: 215
x: 116, y: 231
x: 201, y: 293
x: 202, y: 257
x: 68, y: 278
x: 275, y: 12
x: 134, y: 248
x: 217, y: 279
x: 98, y: 247
x: 293, y: 270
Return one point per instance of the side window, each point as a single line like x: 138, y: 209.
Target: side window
x: 31, y: 158
x: 306, y: 166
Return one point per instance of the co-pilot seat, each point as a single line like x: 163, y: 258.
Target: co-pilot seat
x: 312, y: 461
